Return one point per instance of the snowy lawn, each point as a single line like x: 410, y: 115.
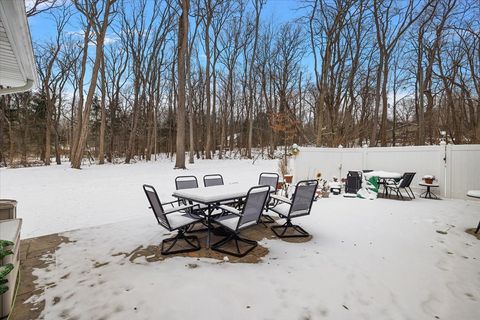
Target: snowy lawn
x: 368, y: 259
x: 58, y: 198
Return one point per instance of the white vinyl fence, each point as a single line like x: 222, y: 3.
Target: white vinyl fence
x: 456, y: 167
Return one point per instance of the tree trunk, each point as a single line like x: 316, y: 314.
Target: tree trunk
x: 182, y: 48
x: 101, y: 146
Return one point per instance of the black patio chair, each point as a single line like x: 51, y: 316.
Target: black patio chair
x: 237, y: 220
x: 176, y: 218
x: 210, y: 180
x: 354, y: 182
x: 186, y: 182
x: 300, y: 205
x: 404, y: 183
x: 268, y: 179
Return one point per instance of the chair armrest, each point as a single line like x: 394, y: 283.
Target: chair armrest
x: 281, y: 198
x: 180, y: 208
x: 230, y: 209
x: 172, y: 202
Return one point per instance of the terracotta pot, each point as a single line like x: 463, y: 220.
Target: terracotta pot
x: 428, y: 180
x: 288, y: 178
x: 279, y: 185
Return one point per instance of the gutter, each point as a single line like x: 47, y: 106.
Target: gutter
x: 23, y: 88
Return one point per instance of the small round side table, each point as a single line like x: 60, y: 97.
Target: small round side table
x: 429, y: 194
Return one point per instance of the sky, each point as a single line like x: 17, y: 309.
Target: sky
x: 43, y: 29
x: 42, y: 26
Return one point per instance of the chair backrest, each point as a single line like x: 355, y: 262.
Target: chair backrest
x: 186, y: 182
x: 212, y: 180
x: 406, y: 179
x: 303, y: 198
x: 268, y: 179
x: 156, y: 206
x: 254, y: 204
x: 354, y: 181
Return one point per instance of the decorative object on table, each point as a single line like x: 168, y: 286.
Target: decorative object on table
x: 237, y: 220
x: 299, y: 206
x: 428, y: 179
x: 404, y: 184
x: 177, y: 218
x: 369, y: 188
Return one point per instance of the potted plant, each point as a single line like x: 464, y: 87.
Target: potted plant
x: 5, y: 269
x: 428, y: 179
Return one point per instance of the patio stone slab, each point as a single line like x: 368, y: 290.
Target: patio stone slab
x: 33, y: 251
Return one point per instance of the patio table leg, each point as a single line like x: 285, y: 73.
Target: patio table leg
x: 209, y: 225
x: 478, y: 227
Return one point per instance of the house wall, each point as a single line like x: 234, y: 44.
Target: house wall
x: 456, y: 167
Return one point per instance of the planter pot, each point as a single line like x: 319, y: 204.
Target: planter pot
x: 288, y: 178
x: 279, y: 185
x: 428, y: 180
x: 8, y: 209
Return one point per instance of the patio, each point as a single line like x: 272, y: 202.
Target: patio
x: 366, y: 260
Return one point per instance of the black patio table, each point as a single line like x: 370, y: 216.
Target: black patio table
x: 383, y: 177
x: 212, y: 197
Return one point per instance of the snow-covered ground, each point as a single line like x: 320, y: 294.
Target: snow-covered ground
x: 368, y: 259
x: 58, y: 198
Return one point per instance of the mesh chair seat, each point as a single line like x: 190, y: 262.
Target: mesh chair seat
x: 178, y: 220
x: 282, y: 209
x: 231, y: 222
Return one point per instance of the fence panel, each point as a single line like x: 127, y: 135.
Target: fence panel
x: 456, y: 167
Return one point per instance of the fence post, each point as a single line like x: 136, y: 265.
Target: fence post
x: 447, y: 164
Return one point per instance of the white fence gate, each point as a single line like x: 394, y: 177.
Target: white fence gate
x: 456, y: 167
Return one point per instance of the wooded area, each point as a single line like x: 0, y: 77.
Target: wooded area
x: 216, y: 78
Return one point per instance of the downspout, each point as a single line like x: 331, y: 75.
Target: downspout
x: 23, y: 88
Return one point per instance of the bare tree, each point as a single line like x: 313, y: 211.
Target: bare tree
x: 182, y: 50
